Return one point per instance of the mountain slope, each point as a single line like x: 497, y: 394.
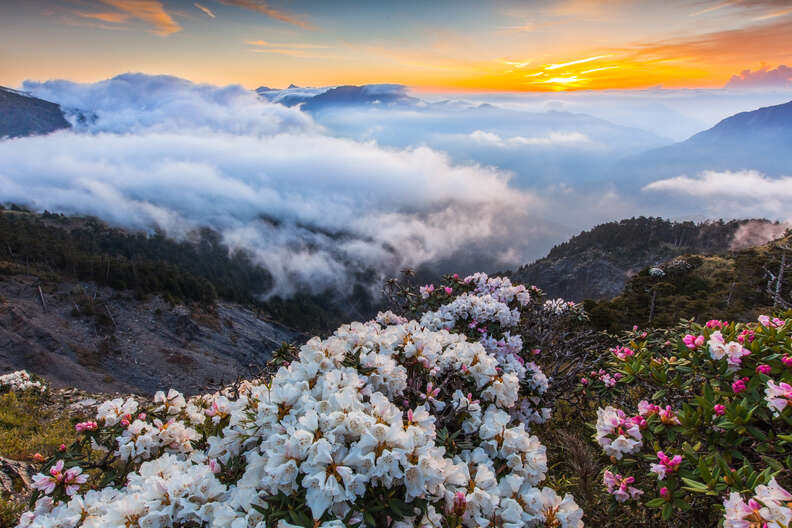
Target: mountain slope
x: 22, y: 115
x: 758, y: 140
x: 596, y: 264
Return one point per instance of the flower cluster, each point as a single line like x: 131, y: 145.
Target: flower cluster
x: 713, y: 410
x: 616, y: 433
x: 391, y: 412
x: 769, y: 507
x: 19, y: 381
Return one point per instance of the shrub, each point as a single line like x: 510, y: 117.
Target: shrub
x: 390, y: 423
x: 697, y: 422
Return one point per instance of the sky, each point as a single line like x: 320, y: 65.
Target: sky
x: 461, y: 45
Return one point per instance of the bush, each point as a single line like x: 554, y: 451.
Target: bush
x: 390, y: 423
x: 695, y: 421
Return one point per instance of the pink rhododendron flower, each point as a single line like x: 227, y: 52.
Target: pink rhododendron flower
x: 664, y: 492
x: 647, y: 409
x: 739, y: 385
x: 714, y: 323
x: 787, y: 361
x: 448, y: 290
x: 71, y: 479
x: 584, y: 381
x: 668, y: 417
x: 622, y: 352
x: 763, y: 369
x: 619, y: 486
x: 693, y: 342
x: 778, y: 396
x: 86, y: 426
x: 719, y: 409
x: 666, y: 465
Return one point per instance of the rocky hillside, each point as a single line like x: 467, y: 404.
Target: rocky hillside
x: 99, y: 339
x: 596, y: 264
x: 23, y: 115
x: 87, y: 305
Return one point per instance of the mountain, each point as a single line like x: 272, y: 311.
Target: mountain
x: 105, y: 309
x: 596, y: 264
x: 758, y: 140
x: 23, y: 115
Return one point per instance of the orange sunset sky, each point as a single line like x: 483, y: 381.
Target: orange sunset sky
x: 439, y: 45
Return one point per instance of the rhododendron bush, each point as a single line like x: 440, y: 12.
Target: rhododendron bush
x: 395, y: 423
x: 698, y: 422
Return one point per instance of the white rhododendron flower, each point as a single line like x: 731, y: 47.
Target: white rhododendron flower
x: 344, y: 421
x: 19, y: 381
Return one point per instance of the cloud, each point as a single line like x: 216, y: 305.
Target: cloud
x: 263, y: 7
x: 293, y: 45
x: 732, y: 194
x: 742, y: 45
x: 205, y: 9
x: 554, y: 138
x: 781, y: 77
x: 151, y: 11
x: 314, y: 210
x: 114, y: 18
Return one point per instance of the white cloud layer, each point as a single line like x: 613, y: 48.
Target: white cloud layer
x: 313, y: 209
x: 732, y: 194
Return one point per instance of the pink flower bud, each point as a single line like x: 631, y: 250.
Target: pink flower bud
x: 448, y: 290
x: 62, y: 448
x: 664, y: 492
x: 763, y: 369
x: 124, y: 423
x: 584, y: 381
x: 719, y: 409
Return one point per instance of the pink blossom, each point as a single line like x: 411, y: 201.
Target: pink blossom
x: 456, y: 276
x: 763, y: 369
x: 460, y: 503
x: 619, y: 486
x: 664, y: 492
x: 693, y: 342
x: 71, y: 479
x: 719, y: 409
x: 666, y: 465
x: 787, y: 361
x: 622, y: 352
x: 639, y: 420
x: 714, y: 323
x: 739, y: 385
x: 86, y: 426
x: 647, y: 409
x: 584, y: 381
x: 62, y: 448
x: 214, y: 466
x: 448, y: 290
x: 778, y: 396
x: 668, y: 417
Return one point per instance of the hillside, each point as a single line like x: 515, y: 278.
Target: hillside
x: 89, y: 305
x: 729, y: 287
x: 756, y: 140
x: 23, y: 115
x: 597, y: 264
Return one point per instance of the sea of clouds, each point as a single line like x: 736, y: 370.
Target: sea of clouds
x: 317, y: 199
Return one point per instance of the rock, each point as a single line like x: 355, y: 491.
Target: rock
x: 16, y: 478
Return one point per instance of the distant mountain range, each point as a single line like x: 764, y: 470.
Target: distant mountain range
x: 23, y: 115
x: 760, y: 140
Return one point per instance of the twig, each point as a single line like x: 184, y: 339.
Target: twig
x: 43, y: 302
